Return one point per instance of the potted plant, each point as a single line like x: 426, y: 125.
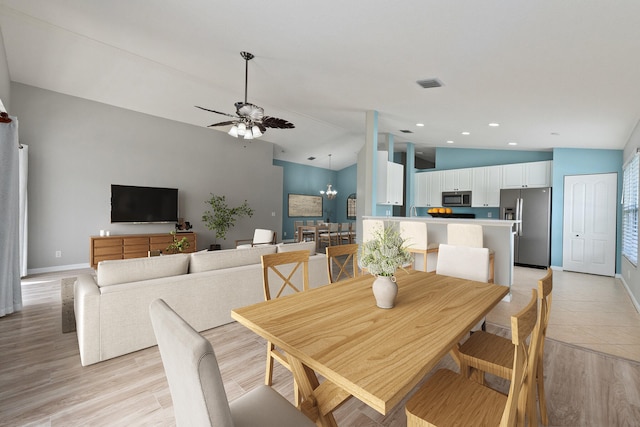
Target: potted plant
x: 221, y: 217
x: 177, y: 246
x: 381, y: 257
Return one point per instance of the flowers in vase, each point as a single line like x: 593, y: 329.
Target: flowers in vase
x: 384, y: 254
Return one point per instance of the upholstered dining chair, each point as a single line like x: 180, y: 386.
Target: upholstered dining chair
x: 414, y: 234
x: 469, y: 235
x: 451, y: 399
x: 282, y: 274
x: 330, y: 235
x: 261, y: 237
x: 196, y: 386
x: 487, y: 352
x: 370, y: 227
x: 345, y: 233
x: 342, y: 262
x: 296, y: 228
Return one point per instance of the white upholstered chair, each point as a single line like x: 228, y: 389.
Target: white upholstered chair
x: 196, y: 386
x: 370, y: 227
x: 414, y: 234
x: 261, y: 237
x: 469, y: 235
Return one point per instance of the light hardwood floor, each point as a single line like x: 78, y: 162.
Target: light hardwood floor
x: 43, y: 384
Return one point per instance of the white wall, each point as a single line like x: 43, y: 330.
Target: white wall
x: 630, y: 273
x: 5, y: 81
x: 77, y: 148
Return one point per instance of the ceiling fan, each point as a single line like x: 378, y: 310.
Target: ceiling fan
x: 249, y: 120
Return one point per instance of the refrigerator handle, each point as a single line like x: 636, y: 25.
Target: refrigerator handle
x: 521, y: 210
x: 518, y: 216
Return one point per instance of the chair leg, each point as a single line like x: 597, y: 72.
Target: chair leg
x: 268, y: 378
x: 541, y: 396
x: 491, y: 268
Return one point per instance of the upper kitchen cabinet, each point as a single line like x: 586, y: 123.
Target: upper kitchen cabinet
x: 522, y: 175
x: 485, y: 191
x: 456, y: 180
x: 428, y: 192
x: 390, y: 181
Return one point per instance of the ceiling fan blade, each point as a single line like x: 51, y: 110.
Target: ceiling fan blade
x: 274, y: 122
x: 214, y: 111
x: 223, y: 123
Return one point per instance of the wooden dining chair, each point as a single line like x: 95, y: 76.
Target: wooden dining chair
x: 470, y: 235
x: 451, y: 399
x: 342, y: 262
x: 297, y: 236
x: 345, y: 233
x: 330, y: 235
x: 281, y: 272
x: 196, y: 386
x: 486, y: 352
x: 414, y: 234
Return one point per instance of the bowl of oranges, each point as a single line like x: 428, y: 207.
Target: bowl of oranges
x: 439, y: 212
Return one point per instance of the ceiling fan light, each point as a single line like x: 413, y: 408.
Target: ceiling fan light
x: 248, y: 134
x: 233, y: 131
x: 242, y: 129
x: 256, y: 131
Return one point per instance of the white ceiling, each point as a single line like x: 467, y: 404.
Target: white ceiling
x: 552, y: 73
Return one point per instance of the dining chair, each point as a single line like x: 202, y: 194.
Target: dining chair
x: 196, y: 386
x: 330, y: 235
x: 261, y: 237
x: 470, y: 235
x: 345, y: 233
x: 370, y: 227
x: 414, y: 234
x: 296, y: 231
x: 487, y: 352
x: 451, y: 399
x: 281, y: 272
x: 342, y: 262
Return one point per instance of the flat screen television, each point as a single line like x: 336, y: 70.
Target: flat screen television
x: 135, y: 204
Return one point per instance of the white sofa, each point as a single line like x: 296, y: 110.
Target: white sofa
x: 112, y: 307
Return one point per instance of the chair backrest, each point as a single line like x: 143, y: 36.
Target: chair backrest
x: 414, y: 234
x: 345, y: 227
x: 283, y: 269
x: 311, y: 222
x: 297, y: 224
x: 263, y: 237
x: 333, y: 227
x: 525, y: 362
x: 335, y: 259
x: 464, y: 262
x: 465, y: 235
x: 370, y: 227
x: 192, y: 370
x: 545, y: 287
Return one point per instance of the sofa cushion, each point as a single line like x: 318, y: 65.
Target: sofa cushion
x: 291, y: 247
x: 114, y: 272
x: 216, y: 260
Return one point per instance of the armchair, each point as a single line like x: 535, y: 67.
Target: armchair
x: 260, y: 237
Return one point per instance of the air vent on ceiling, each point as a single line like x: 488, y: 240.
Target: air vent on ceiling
x: 429, y: 83
x: 311, y: 158
x: 405, y: 131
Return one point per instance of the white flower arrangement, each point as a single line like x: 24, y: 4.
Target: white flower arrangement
x: 384, y: 254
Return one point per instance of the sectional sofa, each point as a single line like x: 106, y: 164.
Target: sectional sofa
x: 112, y: 306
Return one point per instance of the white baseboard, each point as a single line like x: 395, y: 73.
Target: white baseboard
x: 631, y: 296
x: 57, y: 268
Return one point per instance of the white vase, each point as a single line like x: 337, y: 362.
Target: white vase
x: 385, y: 290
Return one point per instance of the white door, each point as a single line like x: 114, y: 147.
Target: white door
x: 589, y: 230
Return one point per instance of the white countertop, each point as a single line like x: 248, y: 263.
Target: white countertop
x: 483, y: 221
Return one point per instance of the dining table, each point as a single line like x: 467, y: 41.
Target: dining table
x: 340, y: 344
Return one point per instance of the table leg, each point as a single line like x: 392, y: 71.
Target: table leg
x: 308, y: 382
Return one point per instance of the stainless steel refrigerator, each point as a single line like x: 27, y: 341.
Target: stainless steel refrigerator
x: 532, y: 206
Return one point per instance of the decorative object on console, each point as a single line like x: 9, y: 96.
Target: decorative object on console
x: 183, y: 225
x: 249, y: 121
x: 382, y: 256
x: 177, y: 246
x: 221, y: 217
x: 329, y: 193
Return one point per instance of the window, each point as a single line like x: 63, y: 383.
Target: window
x: 630, y: 211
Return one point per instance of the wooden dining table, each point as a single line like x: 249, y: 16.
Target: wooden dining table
x: 338, y: 334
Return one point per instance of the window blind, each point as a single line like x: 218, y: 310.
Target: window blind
x: 630, y: 210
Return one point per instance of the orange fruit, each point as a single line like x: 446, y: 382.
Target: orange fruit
x: 442, y: 210
x: 448, y: 210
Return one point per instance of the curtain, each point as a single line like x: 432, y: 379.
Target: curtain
x: 10, y: 292
x: 23, y: 155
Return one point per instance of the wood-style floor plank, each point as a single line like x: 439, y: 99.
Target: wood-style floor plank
x: 43, y: 384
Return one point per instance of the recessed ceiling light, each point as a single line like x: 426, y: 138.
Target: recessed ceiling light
x: 420, y: 124
x: 466, y: 133
x: 494, y: 125
x: 449, y: 142
x: 513, y: 143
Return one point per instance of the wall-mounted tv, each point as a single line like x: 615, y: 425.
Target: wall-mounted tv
x: 135, y: 204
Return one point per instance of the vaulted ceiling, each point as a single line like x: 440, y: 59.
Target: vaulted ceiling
x: 550, y: 73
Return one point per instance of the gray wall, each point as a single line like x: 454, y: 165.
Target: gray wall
x: 630, y: 273
x: 5, y: 81
x: 77, y: 148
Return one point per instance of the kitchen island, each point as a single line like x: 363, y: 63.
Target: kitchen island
x: 497, y: 235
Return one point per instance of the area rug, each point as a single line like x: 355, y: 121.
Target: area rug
x: 68, y: 315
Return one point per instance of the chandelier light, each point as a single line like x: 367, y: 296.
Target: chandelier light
x: 329, y: 193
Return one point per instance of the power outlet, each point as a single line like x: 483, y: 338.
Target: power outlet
x: 284, y: 233
x: 58, y: 254
x: 489, y: 214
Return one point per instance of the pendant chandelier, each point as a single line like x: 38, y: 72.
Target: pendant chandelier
x: 329, y: 193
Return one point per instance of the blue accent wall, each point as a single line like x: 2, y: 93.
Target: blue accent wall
x: 569, y: 161
x: 309, y: 180
x: 459, y: 158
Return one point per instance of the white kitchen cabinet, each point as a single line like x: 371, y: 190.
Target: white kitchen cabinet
x: 420, y: 193
x: 390, y: 181
x: 434, y: 189
x: 485, y: 191
x: 456, y: 180
x: 523, y: 175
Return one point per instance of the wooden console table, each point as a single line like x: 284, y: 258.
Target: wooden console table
x: 126, y: 246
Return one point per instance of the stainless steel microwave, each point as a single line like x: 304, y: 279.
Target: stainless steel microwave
x: 456, y: 198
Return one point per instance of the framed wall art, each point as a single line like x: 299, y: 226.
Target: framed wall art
x: 303, y: 205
